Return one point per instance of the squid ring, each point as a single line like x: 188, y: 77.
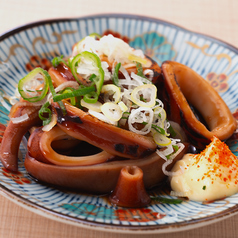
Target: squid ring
x: 14, y: 133
x: 112, y: 139
x: 99, y: 178
x: 183, y: 86
x: 55, y: 158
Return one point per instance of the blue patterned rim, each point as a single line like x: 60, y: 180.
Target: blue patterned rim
x: 36, y: 44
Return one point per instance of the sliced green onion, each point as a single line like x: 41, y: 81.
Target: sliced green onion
x: 64, y: 111
x: 176, y: 148
x: 95, y: 35
x: 166, y: 200
x: 161, y: 140
x: 45, y: 110
x: 172, y: 131
x: 72, y: 99
x: 158, y: 129
x: 75, y: 93
x: 35, y: 76
x: 140, y: 72
x: 51, y: 87
x: 115, y: 78
x: 91, y: 97
x: 99, y: 79
x: 155, y: 127
x: 92, y: 77
x: 57, y: 60
x: 52, y: 90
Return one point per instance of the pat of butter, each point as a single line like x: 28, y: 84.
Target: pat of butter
x: 208, y: 176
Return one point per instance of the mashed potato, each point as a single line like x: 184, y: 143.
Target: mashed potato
x: 208, y: 176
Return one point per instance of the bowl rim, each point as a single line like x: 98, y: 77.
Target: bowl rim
x: 32, y: 24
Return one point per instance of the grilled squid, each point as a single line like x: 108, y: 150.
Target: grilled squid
x: 22, y: 117
x: 110, y: 138
x: 183, y: 87
x: 98, y: 178
x: 130, y: 190
x: 40, y: 147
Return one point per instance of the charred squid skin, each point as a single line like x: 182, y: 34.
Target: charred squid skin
x: 180, y: 86
x: 13, y: 135
x: 100, y: 178
x: 112, y: 139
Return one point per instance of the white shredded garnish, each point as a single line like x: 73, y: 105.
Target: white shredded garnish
x: 16, y: 120
x: 86, y: 68
x: 150, y: 73
x: 170, y: 160
x: 71, y: 84
x: 125, y: 74
x: 140, y: 79
x: 50, y: 125
x: 101, y: 117
x: 114, y: 48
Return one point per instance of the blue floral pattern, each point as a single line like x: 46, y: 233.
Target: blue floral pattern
x: 155, y: 46
x: 90, y: 210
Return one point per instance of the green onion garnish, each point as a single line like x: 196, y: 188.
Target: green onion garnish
x: 158, y: 129
x: 176, y: 148
x: 57, y: 60
x: 91, y: 97
x: 140, y: 70
x: 45, y: 110
x: 166, y: 200
x: 52, y: 90
x: 115, y: 78
x: 37, y: 77
x: 92, y: 77
x: 95, y: 61
x: 75, y: 93
x: 172, y: 131
x: 155, y: 127
x: 72, y: 99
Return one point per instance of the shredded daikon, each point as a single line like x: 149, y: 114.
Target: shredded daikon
x: 101, y: 117
x: 150, y: 73
x: 71, y: 84
x: 52, y: 123
x: 19, y: 119
x: 125, y: 74
x: 114, y: 48
x: 170, y: 160
x: 85, y: 68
